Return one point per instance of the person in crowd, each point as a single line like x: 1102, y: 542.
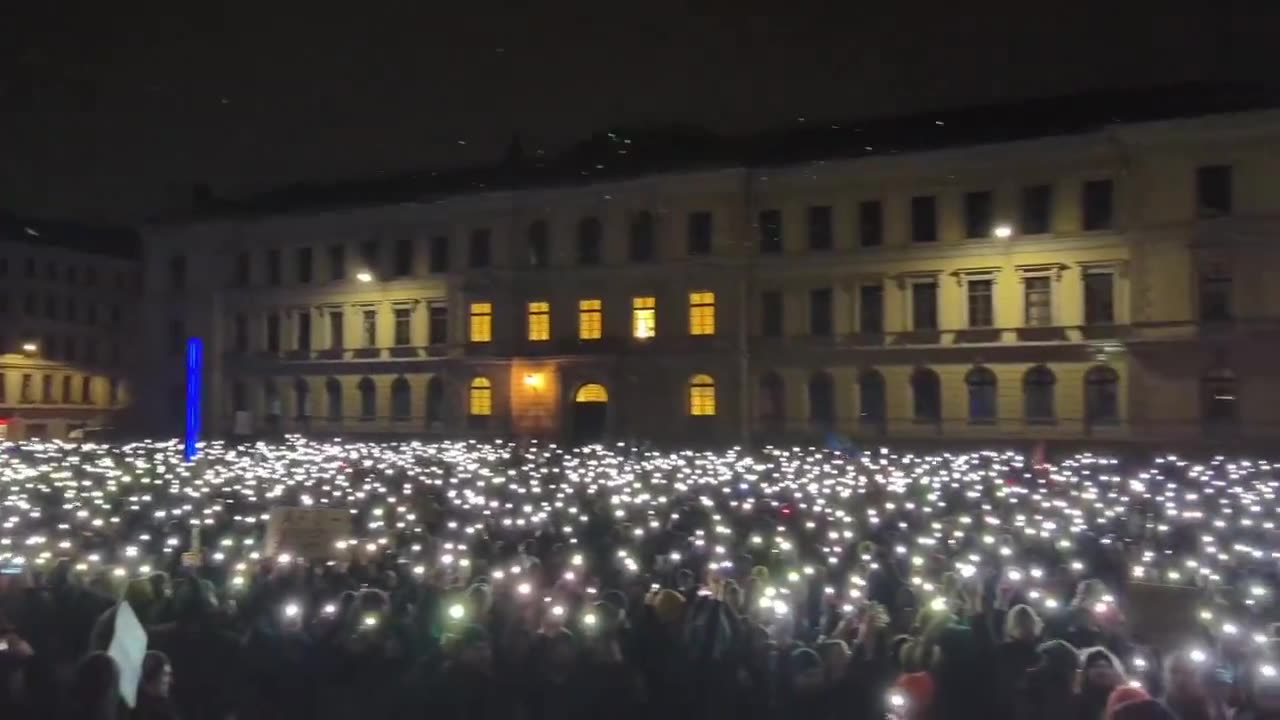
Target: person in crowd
x: 153, y: 700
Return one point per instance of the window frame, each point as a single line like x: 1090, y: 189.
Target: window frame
x: 644, y: 317
x: 538, y: 320
x: 702, y: 313
x: 480, y: 321
x: 701, y: 395
x: 590, y: 319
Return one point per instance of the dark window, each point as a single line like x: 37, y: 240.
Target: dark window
x: 1213, y: 190
x: 273, y: 333
x: 773, y: 408
x: 539, y: 244
x: 30, y: 269
x: 240, y: 333
x: 478, y: 248
x: 91, y: 350
x: 304, y: 329
x: 1037, y: 209
x: 4, y: 266
x: 30, y: 304
x: 336, y: 335
x: 589, y: 238
x: 982, y: 395
x: 72, y: 310
x: 770, y: 231
x: 337, y: 262
x: 1038, y: 299
x: 304, y: 264
x: 333, y: 399
x: 66, y: 390
x: 401, y: 399
x: 819, y: 217
x: 1219, y: 399
x: 1099, y: 298
x: 273, y: 267
x: 1097, y: 208
x: 439, y: 257
x: 980, y: 308
x: 437, y: 324
x: 402, y: 335
x: 241, y: 273
x: 870, y: 223
x: 115, y: 316
x: 771, y: 313
x: 51, y: 270
x: 91, y: 314
x: 86, y: 390
x: 178, y: 272
x: 301, y: 399
x: 69, y: 349
x: 926, y: 396
x: 435, y: 402
x: 641, y: 247
x: 871, y: 398
x: 369, y: 328
x: 924, y: 305
x: 46, y: 389
x: 700, y: 233
x: 871, y: 309
x: 90, y: 276
x: 820, y: 322
x: 1101, y: 396
x: 113, y: 392
x: 51, y: 307
x: 1037, y: 390
x: 404, y: 257
x: 977, y: 214
x: 27, y: 393
x: 822, y: 400
x: 368, y: 399
x: 924, y: 219
x: 1215, y: 299
x: 369, y: 255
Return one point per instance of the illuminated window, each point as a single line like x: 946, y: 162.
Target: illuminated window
x: 644, y: 317
x: 702, y: 395
x: 590, y: 319
x: 481, y: 322
x: 702, y: 313
x: 591, y: 393
x: 540, y: 320
x: 480, y: 397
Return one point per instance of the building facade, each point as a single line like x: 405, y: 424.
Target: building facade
x: 67, y: 302
x: 1112, y: 284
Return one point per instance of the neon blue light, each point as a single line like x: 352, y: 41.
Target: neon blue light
x: 194, y: 358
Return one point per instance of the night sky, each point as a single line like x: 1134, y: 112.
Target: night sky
x: 109, y: 113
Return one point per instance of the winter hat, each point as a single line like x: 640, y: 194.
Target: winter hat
x: 1091, y: 655
x: 919, y: 689
x: 1122, y: 695
x: 1141, y: 710
x: 804, y: 660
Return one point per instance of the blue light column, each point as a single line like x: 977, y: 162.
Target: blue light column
x: 194, y: 360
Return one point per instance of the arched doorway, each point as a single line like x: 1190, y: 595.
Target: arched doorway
x: 590, y: 413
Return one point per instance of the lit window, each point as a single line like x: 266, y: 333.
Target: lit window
x: 702, y: 395
x: 702, y: 313
x: 481, y: 322
x: 540, y: 320
x: 480, y: 397
x: 644, y: 317
x: 590, y: 323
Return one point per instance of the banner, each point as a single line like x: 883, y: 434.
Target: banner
x: 306, y: 532
x: 1163, y: 616
x: 128, y: 646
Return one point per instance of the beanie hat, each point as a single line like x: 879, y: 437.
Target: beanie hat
x: 918, y: 687
x: 1122, y: 695
x: 1141, y: 710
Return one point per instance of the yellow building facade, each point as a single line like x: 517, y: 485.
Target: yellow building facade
x: 1112, y: 284
x: 66, y: 329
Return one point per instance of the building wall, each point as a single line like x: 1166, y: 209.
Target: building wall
x: 1157, y: 247
x: 67, y: 316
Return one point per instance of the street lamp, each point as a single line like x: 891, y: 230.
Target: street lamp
x: 364, y: 276
x: 1003, y: 231
x: 29, y: 347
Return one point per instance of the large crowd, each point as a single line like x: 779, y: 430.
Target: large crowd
x: 504, y: 580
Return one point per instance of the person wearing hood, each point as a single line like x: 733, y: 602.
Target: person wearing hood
x: 1048, y: 692
x: 154, y: 702
x: 1101, y: 674
x: 1013, y: 657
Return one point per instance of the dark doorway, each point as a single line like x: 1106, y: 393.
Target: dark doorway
x: 590, y: 414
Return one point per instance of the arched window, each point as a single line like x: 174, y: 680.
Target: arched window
x: 301, y: 398
x: 982, y: 394
x: 702, y: 395
x: 1037, y: 394
x: 333, y: 399
x: 401, y: 399
x: 539, y: 244
x: 368, y: 399
x: 435, y: 402
x: 1218, y: 398
x: 773, y: 408
x: 926, y: 396
x: 822, y: 400
x: 641, y: 247
x: 1101, y: 396
x: 871, y: 398
x: 591, y: 393
x: 480, y: 398
x: 589, y: 239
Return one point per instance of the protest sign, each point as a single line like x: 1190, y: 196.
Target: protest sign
x: 128, y: 646
x: 306, y: 532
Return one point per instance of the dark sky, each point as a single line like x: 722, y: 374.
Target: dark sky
x: 110, y: 113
